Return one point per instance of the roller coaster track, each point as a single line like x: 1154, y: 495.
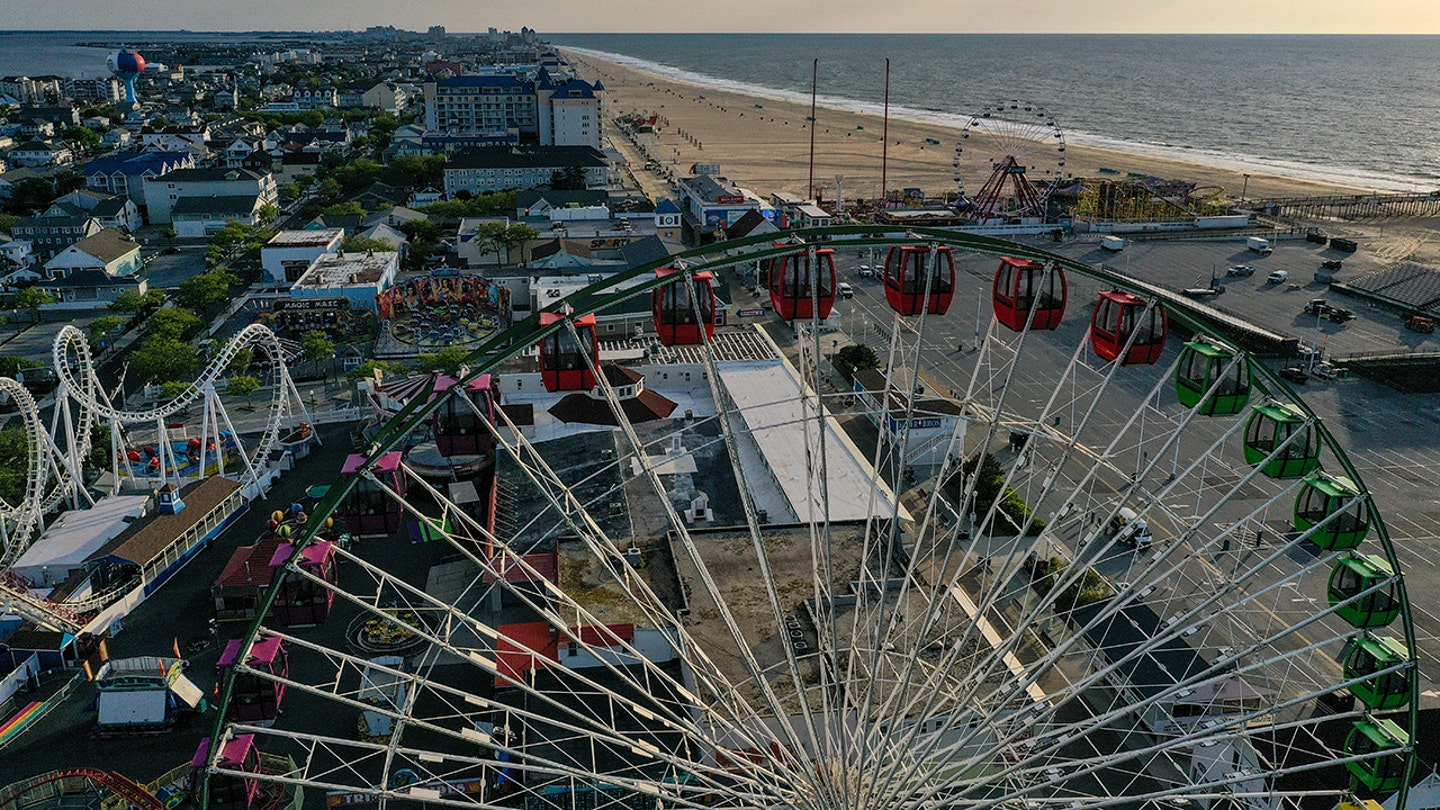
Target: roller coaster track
x: 54, y: 472
x: 11, y: 796
x: 76, y: 368
x: 20, y: 521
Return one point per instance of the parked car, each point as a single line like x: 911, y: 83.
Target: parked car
x: 1295, y: 375
x: 1240, y: 271
x: 1332, y: 264
x: 1324, y: 309
x: 846, y: 291
x: 1277, y: 277
x: 866, y: 271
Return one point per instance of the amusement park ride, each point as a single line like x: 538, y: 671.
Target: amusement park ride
x: 948, y: 650
x: 149, y: 448
x: 1024, y: 148
x: 987, y: 637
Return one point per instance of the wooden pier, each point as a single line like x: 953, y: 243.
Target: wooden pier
x: 1351, y: 206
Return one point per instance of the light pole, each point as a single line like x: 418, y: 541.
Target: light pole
x: 1243, y: 188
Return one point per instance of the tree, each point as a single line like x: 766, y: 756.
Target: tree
x: 369, y: 368
x: 446, y: 361
x: 172, y: 323
x: 316, y: 346
x: 515, y: 236
x: 30, y: 195
x: 243, y: 385
x: 31, y: 298
x: 290, y: 191
x: 425, y: 170
x: 498, y: 236
x: 267, y: 212
x: 855, y: 357
x: 359, y: 244
x: 66, y: 182
x: 99, y: 458
x: 7, y: 222
x: 133, y: 302
x: 162, y: 359
x: 570, y: 178
x: 241, y: 361
x: 173, y: 389
x: 346, y: 209
x: 14, y: 462
x: 11, y: 364
x: 329, y: 189
x: 101, y: 328
x: 83, y: 137
x: 201, y: 292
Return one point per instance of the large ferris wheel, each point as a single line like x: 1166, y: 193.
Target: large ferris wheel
x: 1019, y: 148
x: 1087, y: 564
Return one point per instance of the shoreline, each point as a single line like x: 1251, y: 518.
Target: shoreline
x: 763, y: 141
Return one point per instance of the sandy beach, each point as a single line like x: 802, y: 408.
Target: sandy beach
x: 764, y: 144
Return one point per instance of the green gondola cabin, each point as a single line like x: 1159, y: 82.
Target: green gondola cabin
x: 1388, y: 750
x: 1269, y: 427
x: 1329, y: 503
x: 1355, y: 575
x: 1205, y: 366
x: 1369, y: 655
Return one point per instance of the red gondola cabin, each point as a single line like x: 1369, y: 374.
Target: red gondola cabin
x: 368, y: 510
x: 680, y: 318
x: 909, y: 274
x: 1020, y: 285
x: 255, y: 700
x: 461, y: 422
x: 301, y: 601
x: 790, y: 285
x: 1117, y: 316
x: 563, y: 363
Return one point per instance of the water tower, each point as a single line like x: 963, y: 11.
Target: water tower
x: 126, y: 65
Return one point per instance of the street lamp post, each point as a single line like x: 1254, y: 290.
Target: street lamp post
x: 1243, y: 188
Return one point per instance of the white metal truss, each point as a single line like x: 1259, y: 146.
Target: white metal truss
x: 984, y: 638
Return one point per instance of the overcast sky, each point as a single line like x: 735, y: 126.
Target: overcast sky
x: 861, y: 16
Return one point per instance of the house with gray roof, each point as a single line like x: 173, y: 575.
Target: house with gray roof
x: 162, y: 193
x: 203, y: 217
x: 483, y: 170
x: 51, y: 234
x: 110, y: 251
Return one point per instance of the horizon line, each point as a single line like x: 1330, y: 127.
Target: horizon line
x: 732, y: 33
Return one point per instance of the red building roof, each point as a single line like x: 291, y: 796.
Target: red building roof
x: 535, y: 645
x: 546, y: 565
x: 249, y: 566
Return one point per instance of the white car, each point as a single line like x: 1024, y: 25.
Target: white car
x: 1277, y: 277
x: 866, y: 272
x: 846, y: 291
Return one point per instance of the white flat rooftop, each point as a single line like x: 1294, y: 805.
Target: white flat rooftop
x: 77, y: 534
x: 321, y: 237
x: 768, y: 397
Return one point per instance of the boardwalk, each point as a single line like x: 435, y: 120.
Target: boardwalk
x: 1352, y: 206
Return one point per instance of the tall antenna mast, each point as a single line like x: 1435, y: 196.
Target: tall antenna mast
x: 814, y: 83
x: 885, y: 137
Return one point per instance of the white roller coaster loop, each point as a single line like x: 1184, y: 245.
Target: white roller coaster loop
x: 19, y: 521
x: 76, y: 367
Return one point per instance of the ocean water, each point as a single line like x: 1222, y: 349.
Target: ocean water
x: 23, y: 53
x: 1359, y: 110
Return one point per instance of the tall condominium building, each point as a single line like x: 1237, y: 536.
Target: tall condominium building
x: 471, y: 105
